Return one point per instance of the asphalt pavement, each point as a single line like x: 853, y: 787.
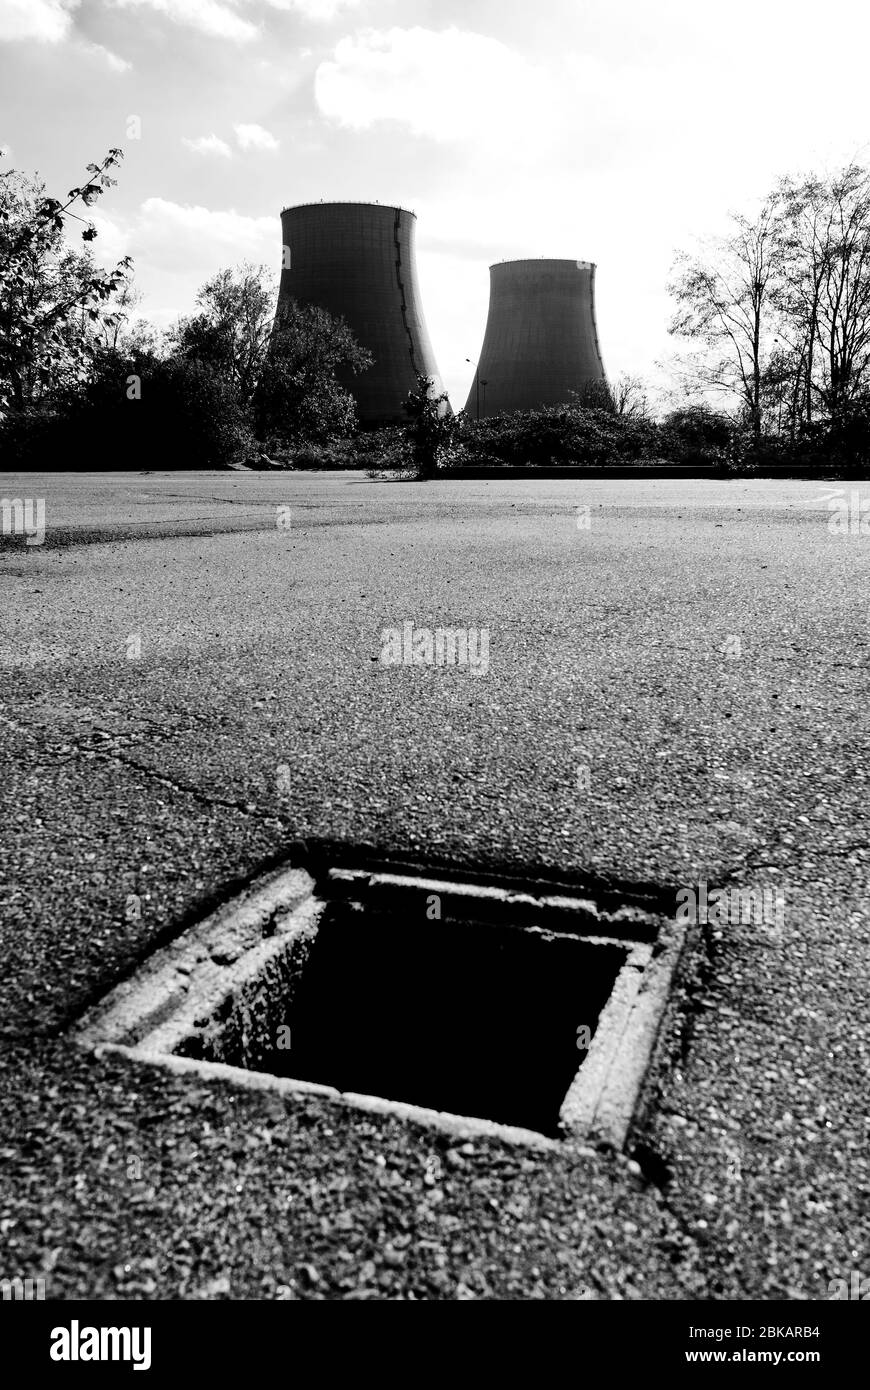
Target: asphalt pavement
x: 674, y: 692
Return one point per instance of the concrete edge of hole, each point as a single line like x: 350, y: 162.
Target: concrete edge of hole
x: 602, y: 1099
x: 628, y: 921
x: 457, y: 1126
x: 184, y: 990
x: 192, y: 976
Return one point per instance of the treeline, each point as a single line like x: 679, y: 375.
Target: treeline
x: 776, y: 317
x: 85, y: 383
x: 591, y: 436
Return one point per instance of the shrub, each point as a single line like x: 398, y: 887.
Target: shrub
x: 846, y: 441
x: 564, y: 435
x: 432, y: 430
x: 334, y: 453
x: 699, y: 436
x: 383, y: 450
x: 133, y: 411
x: 33, y: 437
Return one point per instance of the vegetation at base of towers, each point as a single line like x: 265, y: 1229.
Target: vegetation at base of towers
x: 771, y: 371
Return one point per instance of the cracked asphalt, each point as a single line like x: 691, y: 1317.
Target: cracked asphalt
x: 677, y: 694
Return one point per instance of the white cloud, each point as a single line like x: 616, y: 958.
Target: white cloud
x: 48, y: 21
x: 318, y: 11
x: 112, y: 242
x: 208, y: 144
x: 222, y: 18
x: 456, y: 86
x: 214, y: 17
x: 255, y: 137
x: 176, y: 248
x: 447, y: 85
x: 109, y: 58
x: 183, y: 238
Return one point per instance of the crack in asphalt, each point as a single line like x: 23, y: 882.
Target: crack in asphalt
x: 246, y: 808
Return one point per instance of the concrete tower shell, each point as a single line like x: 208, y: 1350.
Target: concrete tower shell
x: 357, y: 261
x: 541, y: 340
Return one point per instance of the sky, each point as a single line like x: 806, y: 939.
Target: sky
x: 615, y: 131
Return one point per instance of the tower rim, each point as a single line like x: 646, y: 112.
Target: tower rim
x: 541, y: 261
x: 348, y: 203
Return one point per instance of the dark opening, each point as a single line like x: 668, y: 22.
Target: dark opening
x: 471, y: 1018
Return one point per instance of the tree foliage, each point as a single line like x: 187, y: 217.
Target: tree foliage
x: 52, y: 298
x: 724, y: 300
x: 559, y: 436
x: 232, y: 330
x: 824, y: 291
x: 301, y: 395
x: 779, y: 311
x: 432, y: 428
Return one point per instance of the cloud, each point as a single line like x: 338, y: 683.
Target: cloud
x: 112, y: 242
x: 447, y: 85
x: 220, y: 20
x: 318, y: 11
x: 182, y: 238
x: 456, y: 86
x: 48, y: 21
x: 111, y: 59
x: 208, y: 144
x: 177, y: 247
x: 255, y: 137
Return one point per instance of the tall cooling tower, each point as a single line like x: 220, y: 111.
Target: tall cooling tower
x: 357, y: 261
x: 541, y: 341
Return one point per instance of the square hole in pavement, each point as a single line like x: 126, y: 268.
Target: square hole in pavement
x: 522, y: 1010
x: 473, y: 1019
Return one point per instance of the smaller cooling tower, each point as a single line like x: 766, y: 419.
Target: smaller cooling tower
x: 357, y: 261
x: 541, y: 342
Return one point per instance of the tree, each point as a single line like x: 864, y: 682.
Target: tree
x: 629, y: 397
x: 725, y: 302
x: 782, y: 309
x: 50, y: 296
x: 136, y: 408
x: 231, y: 333
x: 301, y: 395
x: 824, y: 297
x: 121, y: 330
x: 696, y: 435
x: 594, y: 395
x: 432, y: 427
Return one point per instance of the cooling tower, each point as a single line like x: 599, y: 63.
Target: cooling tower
x: 357, y: 261
x: 541, y: 342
